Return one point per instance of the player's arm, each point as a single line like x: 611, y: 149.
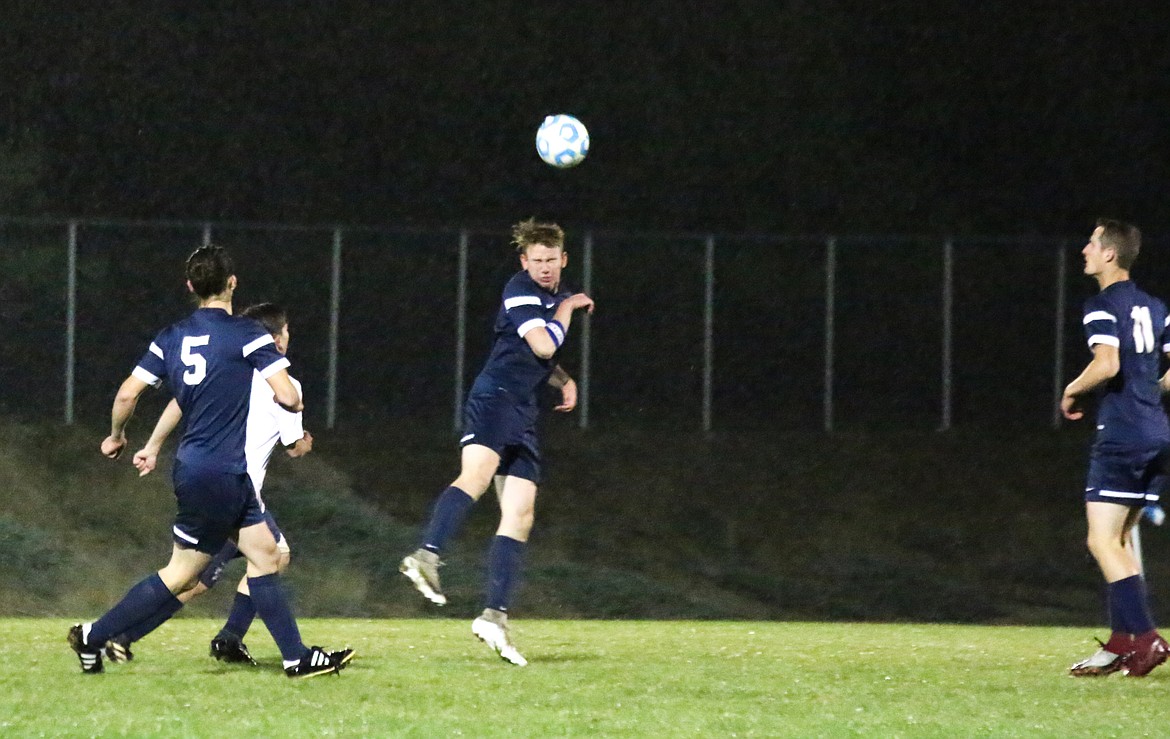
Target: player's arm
x: 146, y: 458
x: 544, y: 340
x: 125, y: 401
x: 286, y: 395
x: 1104, y: 366
x: 560, y: 379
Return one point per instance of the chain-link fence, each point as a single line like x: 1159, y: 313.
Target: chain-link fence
x: 691, y: 331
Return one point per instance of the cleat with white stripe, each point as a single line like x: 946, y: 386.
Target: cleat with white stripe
x: 492, y: 629
x: 316, y: 662
x: 422, y: 568
x: 118, y: 649
x: 91, y: 659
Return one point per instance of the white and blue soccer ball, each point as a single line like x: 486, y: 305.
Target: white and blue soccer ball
x: 562, y: 141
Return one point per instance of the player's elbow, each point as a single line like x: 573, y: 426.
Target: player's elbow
x: 290, y: 401
x: 127, y: 396
x: 541, y: 343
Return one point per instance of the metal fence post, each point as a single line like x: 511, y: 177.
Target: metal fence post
x: 334, y: 329
x: 830, y: 327
x: 586, y: 332
x: 70, y: 320
x: 948, y: 305
x: 708, y: 330
x: 460, y: 326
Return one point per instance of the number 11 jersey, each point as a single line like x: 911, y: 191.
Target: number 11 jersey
x: 1130, y: 415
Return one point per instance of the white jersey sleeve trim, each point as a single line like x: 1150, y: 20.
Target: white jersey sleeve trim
x: 146, y: 377
x: 275, y: 367
x: 1099, y: 315
x: 510, y: 303
x: 255, y: 344
x: 1105, y: 339
x: 529, y: 325
x: 156, y: 350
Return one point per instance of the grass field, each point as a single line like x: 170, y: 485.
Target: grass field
x: 430, y: 677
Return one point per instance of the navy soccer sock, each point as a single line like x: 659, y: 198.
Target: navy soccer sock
x: 143, y: 601
x: 1117, y: 622
x: 446, y: 518
x: 1130, y: 596
x: 272, y: 607
x: 156, y: 619
x: 505, y: 557
x: 239, y: 619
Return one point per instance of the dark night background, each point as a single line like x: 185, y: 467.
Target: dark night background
x: 890, y: 125
x: 741, y: 116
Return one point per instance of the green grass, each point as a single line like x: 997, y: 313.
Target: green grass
x: 587, y: 678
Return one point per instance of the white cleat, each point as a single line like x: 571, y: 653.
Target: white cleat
x: 422, y: 568
x: 492, y: 629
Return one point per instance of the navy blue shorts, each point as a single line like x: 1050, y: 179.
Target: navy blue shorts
x: 229, y: 551
x: 213, y: 506
x: 1130, y: 478
x: 496, y: 420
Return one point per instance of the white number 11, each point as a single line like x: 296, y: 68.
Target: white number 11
x: 1143, y: 329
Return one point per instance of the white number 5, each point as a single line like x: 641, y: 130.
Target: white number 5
x: 1143, y: 329
x: 197, y: 365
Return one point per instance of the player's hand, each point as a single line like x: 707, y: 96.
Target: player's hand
x: 580, y: 300
x: 112, y: 446
x: 301, y: 446
x: 1068, y: 407
x: 568, y: 397
x: 145, y: 460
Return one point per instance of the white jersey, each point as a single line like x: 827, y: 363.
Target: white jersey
x: 268, y: 423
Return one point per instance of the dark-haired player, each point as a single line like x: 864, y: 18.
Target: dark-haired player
x: 207, y: 360
x: 499, y: 428
x: 268, y: 424
x: 1127, y: 332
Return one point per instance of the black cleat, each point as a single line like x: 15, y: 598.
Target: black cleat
x: 341, y: 657
x: 118, y: 649
x: 316, y: 662
x: 231, y: 650
x: 91, y: 659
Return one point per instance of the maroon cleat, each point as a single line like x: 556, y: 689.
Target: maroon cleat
x: 1149, y: 651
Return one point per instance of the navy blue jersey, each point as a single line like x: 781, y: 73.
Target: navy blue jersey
x: 207, y: 360
x: 1131, y: 414
x: 512, y: 364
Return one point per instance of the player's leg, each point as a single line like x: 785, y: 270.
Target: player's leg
x: 1131, y: 623
x: 256, y: 541
x: 151, y: 601
x: 505, y: 559
x: 228, y: 645
x: 1149, y: 648
x: 478, y: 464
x: 118, y: 647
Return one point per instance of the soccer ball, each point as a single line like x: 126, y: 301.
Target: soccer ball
x: 562, y: 141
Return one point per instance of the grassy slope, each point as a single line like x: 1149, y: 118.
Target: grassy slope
x: 910, y: 526
x: 590, y: 678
